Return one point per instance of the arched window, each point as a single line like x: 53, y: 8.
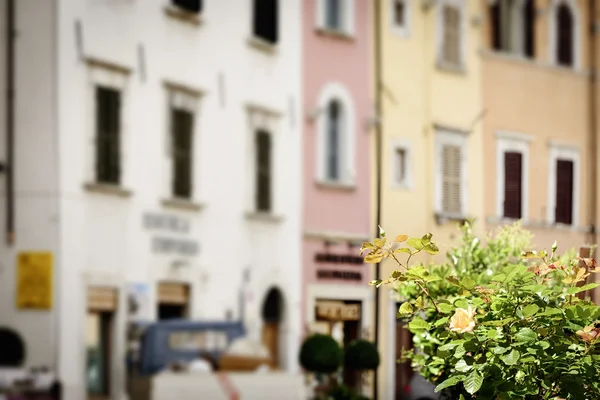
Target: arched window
x: 565, y: 36
x: 334, y: 141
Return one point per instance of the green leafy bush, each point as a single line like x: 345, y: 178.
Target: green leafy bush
x: 492, y: 325
x: 321, y: 354
x: 361, y: 355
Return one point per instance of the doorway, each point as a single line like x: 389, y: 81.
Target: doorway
x: 272, y: 314
x: 100, y: 317
x: 173, y: 301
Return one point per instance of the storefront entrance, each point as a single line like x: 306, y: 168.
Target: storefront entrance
x: 272, y: 314
x: 342, y: 320
x: 173, y: 301
x: 101, y: 309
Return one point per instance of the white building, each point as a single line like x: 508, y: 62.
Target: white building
x: 108, y: 94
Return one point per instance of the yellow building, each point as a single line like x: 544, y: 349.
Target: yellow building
x: 431, y: 121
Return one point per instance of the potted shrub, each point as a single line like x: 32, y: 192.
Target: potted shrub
x: 517, y: 332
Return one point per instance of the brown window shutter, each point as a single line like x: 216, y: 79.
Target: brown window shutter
x: 565, y: 35
x: 182, y: 142
x: 451, y: 46
x: 263, y: 171
x: 563, y: 212
x: 513, y: 185
x: 451, y: 179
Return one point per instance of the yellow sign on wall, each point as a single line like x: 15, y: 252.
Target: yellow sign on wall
x: 34, y: 280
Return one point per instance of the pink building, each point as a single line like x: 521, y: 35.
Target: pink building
x: 338, y: 107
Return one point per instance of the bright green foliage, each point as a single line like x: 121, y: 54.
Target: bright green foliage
x: 321, y: 353
x: 498, y: 321
x: 361, y: 355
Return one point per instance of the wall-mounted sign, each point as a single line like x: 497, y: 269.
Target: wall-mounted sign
x: 34, y: 280
x: 338, y: 259
x: 338, y: 311
x: 138, y: 301
x: 344, y: 275
x: 170, y: 224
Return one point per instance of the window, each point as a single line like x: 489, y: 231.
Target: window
x: 513, y: 26
x: 335, y: 130
x: 335, y: 15
x: 563, y: 211
x: 563, y: 194
x: 193, y: 6
x: 182, y: 125
x: 451, y: 34
x: 564, y: 36
x: 451, y: 173
x: 108, y: 129
x: 264, y: 23
x: 400, y: 17
x: 401, y: 164
x: 334, y: 159
x: 263, y: 171
x: 512, y: 174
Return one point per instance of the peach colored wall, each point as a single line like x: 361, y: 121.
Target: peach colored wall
x: 549, y: 103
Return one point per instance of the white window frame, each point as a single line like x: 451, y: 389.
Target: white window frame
x: 563, y: 151
x: 403, y: 30
x: 519, y: 143
x: 117, y: 78
x: 454, y: 138
x: 348, y: 17
x: 184, y: 100
x: 461, y: 5
x: 330, y: 92
x: 267, y: 120
x: 406, y: 145
x: 577, y: 26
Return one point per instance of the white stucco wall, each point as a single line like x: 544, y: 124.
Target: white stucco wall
x: 100, y: 239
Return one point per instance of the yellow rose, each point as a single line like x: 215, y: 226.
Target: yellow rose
x: 463, y: 320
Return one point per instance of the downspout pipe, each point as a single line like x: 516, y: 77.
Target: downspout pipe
x: 593, y: 121
x: 10, y: 121
x: 378, y: 165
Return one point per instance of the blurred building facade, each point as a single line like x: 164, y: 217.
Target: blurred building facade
x: 336, y: 151
x: 432, y: 164
x: 157, y: 160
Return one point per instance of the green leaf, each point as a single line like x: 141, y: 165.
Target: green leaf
x: 381, y: 232
x: 543, y: 344
x: 405, y: 308
x: 418, y: 324
x: 441, y: 321
x: 589, y: 286
x: 376, y: 282
x: 431, y: 248
x: 511, y: 358
x: 533, y: 288
x: 549, y: 311
x: 453, y: 380
x: 446, y: 308
x: 554, y: 246
x: 520, y: 376
x: 468, y: 283
x: 415, y: 243
x: 419, y: 302
x: 462, y: 366
x: 473, y: 382
x: 453, y: 280
x: 405, y: 250
x: 529, y: 310
x: 493, y: 333
x: 448, y: 346
x: 426, y: 238
x: 461, y: 303
x: 526, y: 335
x: 500, y: 350
x: 401, y: 238
x: 460, y: 351
x: 418, y: 271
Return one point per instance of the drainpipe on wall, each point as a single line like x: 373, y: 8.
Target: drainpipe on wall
x: 10, y: 121
x: 378, y: 166
x: 593, y: 150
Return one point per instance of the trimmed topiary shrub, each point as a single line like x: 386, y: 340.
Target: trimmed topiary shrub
x: 321, y: 354
x: 361, y: 355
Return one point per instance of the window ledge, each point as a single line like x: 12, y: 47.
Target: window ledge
x: 452, y: 68
x: 182, y: 204
x: 540, y: 224
x: 336, y: 33
x: 107, y: 188
x: 262, y: 216
x: 443, y: 217
x: 347, y: 186
x: 184, y: 16
x: 262, y: 45
x: 402, y: 186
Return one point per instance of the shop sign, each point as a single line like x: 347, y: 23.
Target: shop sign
x: 170, y: 224
x: 338, y: 312
x: 338, y: 259
x: 343, y: 275
x: 138, y: 301
x: 34, y: 280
